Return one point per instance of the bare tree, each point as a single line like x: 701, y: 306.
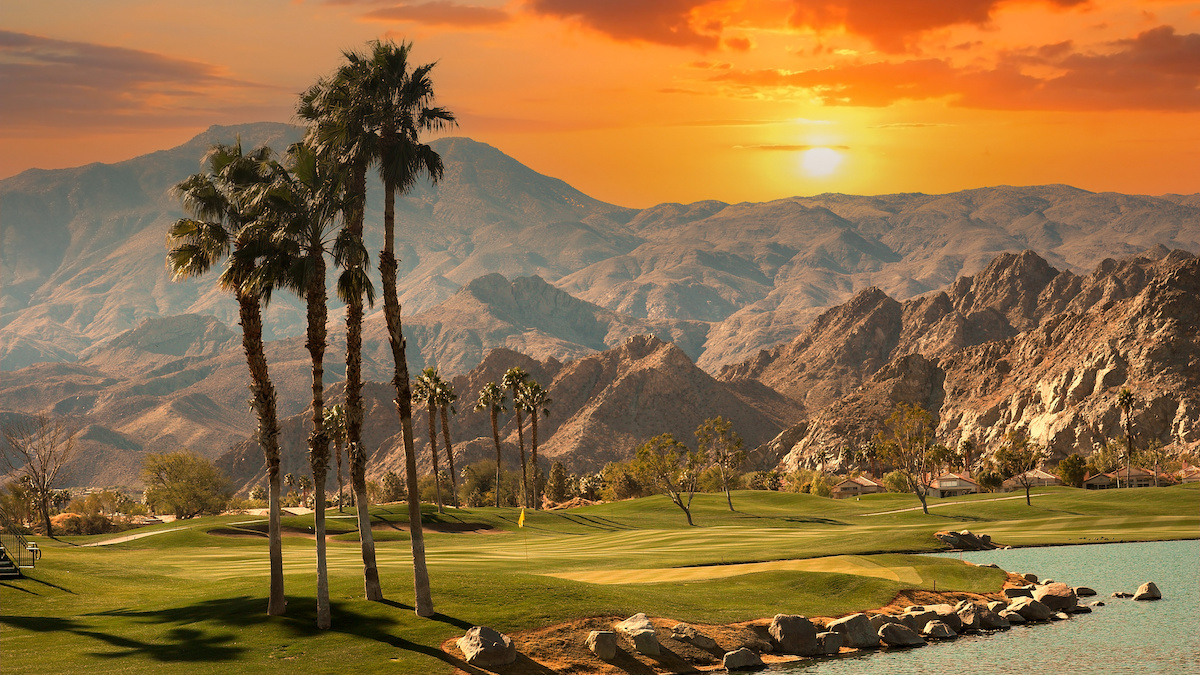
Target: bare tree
x: 38, y: 448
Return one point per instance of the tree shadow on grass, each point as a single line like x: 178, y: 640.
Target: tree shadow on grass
x: 962, y: 518
x: 17, y: 588
x: 177, y: 645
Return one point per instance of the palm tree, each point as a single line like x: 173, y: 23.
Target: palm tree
x: 335, y: 428
x: 1126, y: 400
x: 290, y: 481
x: 966, y: 452
x: 513, y: 379
x: 491, y: 398
x: 218, y: 202
x: 425, y: 391
x: 300, y: 208
x: 341, y: 130
x: 534, y: 399
x: 445, y: 399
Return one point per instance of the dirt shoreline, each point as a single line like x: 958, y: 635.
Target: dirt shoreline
x: 560, y: 648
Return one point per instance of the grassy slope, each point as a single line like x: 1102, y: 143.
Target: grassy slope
x: 195, y: 602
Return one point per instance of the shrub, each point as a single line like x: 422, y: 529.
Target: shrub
x: 896, y: 481
x: 765, y: 480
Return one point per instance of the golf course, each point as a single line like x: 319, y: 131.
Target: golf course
x: 190, y: 596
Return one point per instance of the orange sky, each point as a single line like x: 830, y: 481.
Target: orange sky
x: 644, y: 101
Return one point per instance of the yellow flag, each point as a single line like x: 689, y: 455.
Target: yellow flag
x: 521, y: 520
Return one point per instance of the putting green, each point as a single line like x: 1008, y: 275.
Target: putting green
x: 841, y: 564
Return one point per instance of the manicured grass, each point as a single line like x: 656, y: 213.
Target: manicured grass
x: 193, y: 601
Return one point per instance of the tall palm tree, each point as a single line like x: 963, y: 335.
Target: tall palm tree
x: 424, y: 390
x: 446, y: 398
x: 341, y: 128
x: 1126, y: 400
x: 335, y: 428
x: 491, y: 399
x: 218, y: 202
x: 299, y: 213
x: 513, y: 379
x: 534, y: 399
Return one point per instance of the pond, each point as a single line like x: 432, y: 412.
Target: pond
x: 1122, y: 637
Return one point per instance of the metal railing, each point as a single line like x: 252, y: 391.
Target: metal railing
x: 15, y: 547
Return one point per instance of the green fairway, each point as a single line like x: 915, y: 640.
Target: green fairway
x: 194, y: 599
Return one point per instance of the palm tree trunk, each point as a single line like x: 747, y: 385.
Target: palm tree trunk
x: 450, y: 456
x: 318, y: 441
x: 437, y: 480
x: 263, y: 399
x: 391, y: 312
x: 354, y: 403
x: 521, y: 445
x: 537, y: 489
x: 496, y: 438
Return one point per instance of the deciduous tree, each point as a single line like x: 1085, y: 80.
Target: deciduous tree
x: 184, y: 484
x: 668, y: 466
x: 908, y: 443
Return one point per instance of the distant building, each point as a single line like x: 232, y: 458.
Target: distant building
x: 1188, y: 474
x: 1035, y: 478
x: 854, y: 487
x: 952, y: 485
x: 1135, y: 477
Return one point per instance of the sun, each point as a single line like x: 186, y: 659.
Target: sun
x: 820, y: 162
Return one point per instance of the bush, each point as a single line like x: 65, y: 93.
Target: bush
x: 819, y: 486
x: 185, y: 484
x: 765, y: 480
x: 896, y: 481
x: 74, y: 523
x: 558, y: 483
x: 393, y: 488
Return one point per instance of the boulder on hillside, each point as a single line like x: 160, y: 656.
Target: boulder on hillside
x: 831, y: 642
x: 487, y: 647
x: 742, y: 659
x: 1147, y: 591
x: 794, y: 634
x: 1031, y: 609
x: 1056, y: 596
x: 899, y: 635
x: 856, y: 631
x: 686, y: 633
x: 603, y: 644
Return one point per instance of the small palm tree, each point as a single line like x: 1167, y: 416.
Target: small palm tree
x: 424, y: 390
x: 491, y: 399
x: 1126, y: 401
x: 513, y: 379
x: 445, y: 400
x: 534, y: 399
x: 335, y: 428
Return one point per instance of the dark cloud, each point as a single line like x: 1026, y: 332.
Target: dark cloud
x: 1157, y: 70
x: 892, y: 25
x: 664, y: 22
x: 57, y: 83
x: 441, y: 13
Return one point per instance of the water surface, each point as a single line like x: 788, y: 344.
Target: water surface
x: 1122, y: 637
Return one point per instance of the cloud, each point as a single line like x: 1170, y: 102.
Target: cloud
x: 441, y: 13
x: 665, y: 22
x: 1157, y: 70
x: 57, y: 83
x: 893, y: 26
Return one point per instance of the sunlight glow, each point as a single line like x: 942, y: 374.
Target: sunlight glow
x: 820, y: 162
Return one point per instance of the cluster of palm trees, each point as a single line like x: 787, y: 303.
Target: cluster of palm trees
x: 528, y: 397
x: 439, y: 397
x: 275, y: 222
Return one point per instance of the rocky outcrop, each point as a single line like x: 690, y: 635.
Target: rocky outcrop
x: 965, y: 540
x: 857, y: 631
x: 1023, y: 346
x: 685, y: 633
x: 602, y: 643
x: 899, y: 635
x: 794, y: 634
x: 640, y: 631
x: 1147, y: 591
x: 1031, y: 610
x: 1056, y: 596
x: 741, y: 659
x: 486, y: 647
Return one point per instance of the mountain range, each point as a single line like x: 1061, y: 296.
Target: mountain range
x: 776, y: 314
